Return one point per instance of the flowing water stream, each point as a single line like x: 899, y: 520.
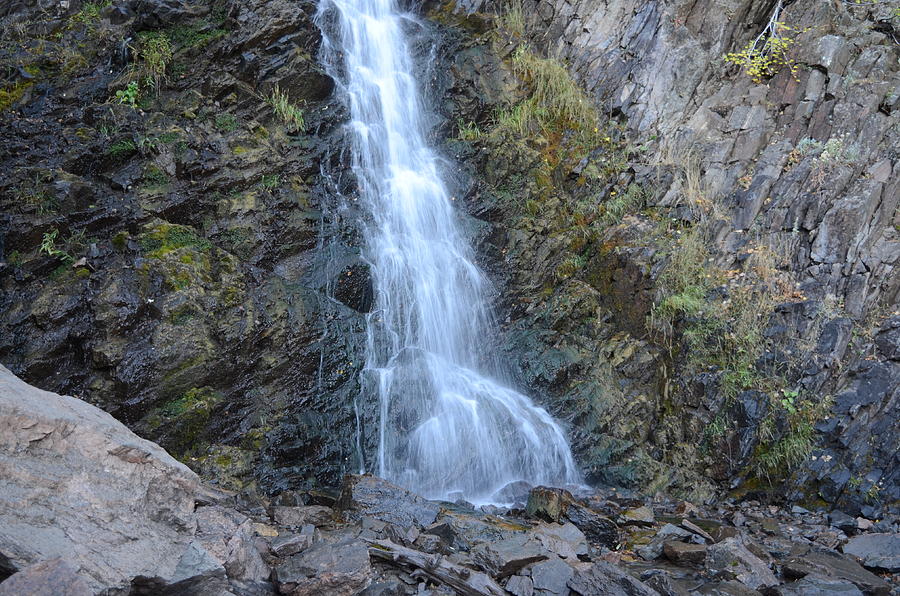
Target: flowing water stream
x: 447, y: 424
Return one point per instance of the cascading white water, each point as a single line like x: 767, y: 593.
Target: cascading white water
x: 447, y: 425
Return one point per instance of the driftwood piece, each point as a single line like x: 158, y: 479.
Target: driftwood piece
x: 465, y: 581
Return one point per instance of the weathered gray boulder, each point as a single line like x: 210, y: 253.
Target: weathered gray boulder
x: 77, y: 484
x: 54, y: 577
x: 732, y: 560
x: 604, y: 579
x: 381, y: 500
x: 876, y: 551
x: 338, y: 569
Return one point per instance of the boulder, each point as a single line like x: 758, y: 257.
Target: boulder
x: 339, y: 569
x: 296, y: 517
x: 815, y: 585
x: 879, y: 552
x: 804, y: 561
x: 731, y: 560
x: 78, y: 484
x: 507, y: 556
x: 683, y: 553
x: 558, y: 505
x: 228, y: 537
x: 667, y: 533
x: 551, y: 577
x: 604, y: 579
x: 53, y: 577
x: 364, y: 495
x: 565, y: 540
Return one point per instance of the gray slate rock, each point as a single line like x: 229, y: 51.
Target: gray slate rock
x: 603, y: 579
x: 805, y: 561
x: 880, y: 552
x: 72, y: 476
x: 507, y: 556
x: 816, y: 585
x: 551, y: 577
x: 731, y: 560
x: 378, y: 498
x: 54, y: 577
x: 339, y: 569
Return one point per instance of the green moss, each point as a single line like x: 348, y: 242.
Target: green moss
x: 165, y: 238
x: 226, y: 123
x: 184, y: 419
x: 9, y: 96
x: 120, y: 240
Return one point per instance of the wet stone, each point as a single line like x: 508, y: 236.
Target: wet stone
x: 339, y: 569
x: 732, y: 560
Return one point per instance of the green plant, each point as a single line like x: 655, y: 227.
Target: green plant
x: 129, y: 95
x: 154, y: 177
x: 121, y: 148
x: 270, y: 181
x: 468, y: 131
x: 155, y: 49
x: 769, y: 52
x: 90, y: 12
x: 226, y: 123
x: 512, y: 18
x: 286, y: 111
x: 48, y: 247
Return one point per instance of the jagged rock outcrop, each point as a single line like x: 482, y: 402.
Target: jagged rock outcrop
x: 78, y: 485
x: 795, y: 174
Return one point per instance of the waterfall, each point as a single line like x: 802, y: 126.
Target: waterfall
x: 448, y: 424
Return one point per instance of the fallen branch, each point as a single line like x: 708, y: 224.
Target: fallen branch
x: 436, y: 567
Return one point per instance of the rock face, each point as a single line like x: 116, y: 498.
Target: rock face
x: 793, y: 176
x: 78, y: 485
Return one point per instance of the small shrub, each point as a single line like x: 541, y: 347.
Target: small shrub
x: 129, y: 95
x: 155, y: 49
x: 48, y: 247
x: 286, y: 111
x: 769, y: 51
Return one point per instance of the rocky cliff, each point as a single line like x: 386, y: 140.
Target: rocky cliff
x: 712, y: 294
x: 694, y: 265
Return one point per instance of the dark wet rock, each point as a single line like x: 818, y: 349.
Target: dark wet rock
x: 551, y: 577
x: 71, y: 476
x: 842, y: 521
x: 353, y: 287
x: 341, y: 568
x: 296, y: 517
x: 603, y: 579
x: 732, y: 560
x: 507, y: 556
x: 53, y: 577
x: 805, y: 561
x: 683, y: 553
x: 156, y: 14
x: 379, y: 499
